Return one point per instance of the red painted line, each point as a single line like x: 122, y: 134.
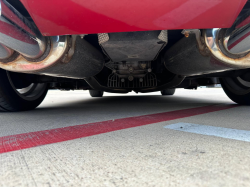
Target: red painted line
x: 243, y: 23
x: 33, y: 139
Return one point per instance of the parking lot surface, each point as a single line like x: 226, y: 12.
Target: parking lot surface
x: 194, y: 138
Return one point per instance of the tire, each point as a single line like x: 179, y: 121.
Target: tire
x: 95, y: 93
x: 168, y: 91
x: 14, y: 99
x: 237, y: 90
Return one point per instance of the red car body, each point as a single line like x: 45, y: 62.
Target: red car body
x: 62, y: 17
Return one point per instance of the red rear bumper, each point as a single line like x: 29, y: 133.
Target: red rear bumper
x: 60, y: 17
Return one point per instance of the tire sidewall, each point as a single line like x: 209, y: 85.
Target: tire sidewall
x: 238, y: 96
x: 12, y: 99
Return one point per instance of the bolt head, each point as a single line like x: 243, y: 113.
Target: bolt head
x: 186, y: 34
x: 130, y: 78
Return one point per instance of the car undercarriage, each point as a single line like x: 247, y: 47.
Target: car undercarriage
x: 119, y: 62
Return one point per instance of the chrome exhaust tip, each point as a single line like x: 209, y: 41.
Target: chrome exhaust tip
x: 230, y: 46
x: 19, y: 34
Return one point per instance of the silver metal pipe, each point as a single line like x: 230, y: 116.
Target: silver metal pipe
x: 231, y: 50
x: 58, y: 49
x: 238, y: 42
x: 5, y: 52
x: 19, y: 34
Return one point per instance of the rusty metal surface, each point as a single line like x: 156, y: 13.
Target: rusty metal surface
x: 22, y: 65
x: 212, y: 42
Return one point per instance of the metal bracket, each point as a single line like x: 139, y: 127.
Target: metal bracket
x: 200, y: 40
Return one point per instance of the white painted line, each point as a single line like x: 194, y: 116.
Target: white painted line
x: 234, y: 134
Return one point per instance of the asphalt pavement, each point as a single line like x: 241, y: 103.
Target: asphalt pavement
x: 194, y: 138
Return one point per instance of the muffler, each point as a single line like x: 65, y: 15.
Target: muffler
x: 210, y: 51
x: 23, y: 49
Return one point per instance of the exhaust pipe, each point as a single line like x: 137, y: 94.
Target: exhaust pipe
x: 23, y: 49
x: 19, y: 34
x: 230, y: 48
x: 213, y: 50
